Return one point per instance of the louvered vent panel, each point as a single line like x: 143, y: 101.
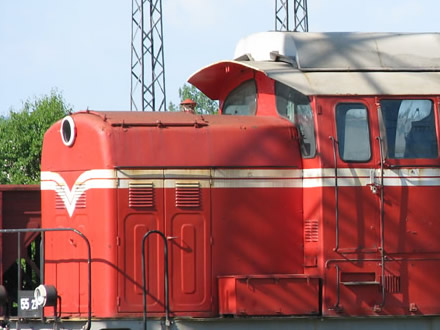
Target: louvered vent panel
x: 141, y: 194
x: 78, y: 194
x: 311, y: 231
x: 188, y: 194
x: 392, y: 284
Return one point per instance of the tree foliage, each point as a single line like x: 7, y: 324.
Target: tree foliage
x: 205, y: 105
x: 21, y: 138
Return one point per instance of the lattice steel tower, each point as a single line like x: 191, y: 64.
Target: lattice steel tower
x: 301, y: 20
x: 147, y: 57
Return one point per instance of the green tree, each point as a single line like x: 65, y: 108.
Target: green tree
x: 205, y: 105
x: 21, y: 138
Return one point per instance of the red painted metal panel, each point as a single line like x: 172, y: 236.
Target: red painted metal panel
x: 188, y: 259
x: 134, y: 221
x: 132, y: 230
x: 415, y: 227
x: 189, y: 229
x: 66, y: 253
x: 269, y: 295
x: 257, y: 231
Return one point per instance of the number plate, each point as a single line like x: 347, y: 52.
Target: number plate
x: 27, y: 305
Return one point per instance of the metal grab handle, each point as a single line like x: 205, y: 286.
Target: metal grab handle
x: 334, y: 142
x: 144, y: 285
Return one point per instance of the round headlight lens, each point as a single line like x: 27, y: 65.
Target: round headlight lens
x: 68, y: 131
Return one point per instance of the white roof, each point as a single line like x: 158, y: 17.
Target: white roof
x: 347, y: 51
x: 336, y: 63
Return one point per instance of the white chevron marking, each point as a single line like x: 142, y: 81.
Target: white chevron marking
x: 96, y: 179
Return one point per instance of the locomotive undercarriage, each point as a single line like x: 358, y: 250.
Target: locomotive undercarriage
x: 306, y: 323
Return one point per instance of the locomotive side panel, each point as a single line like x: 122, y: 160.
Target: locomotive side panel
x: 66, y: 252
x: 252, y: 238
x: 188, y: 228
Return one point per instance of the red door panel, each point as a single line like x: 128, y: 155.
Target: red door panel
x: 187, y: 212
x: 140, y: 211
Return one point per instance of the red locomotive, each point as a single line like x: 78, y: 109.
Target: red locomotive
x: 312, y: 194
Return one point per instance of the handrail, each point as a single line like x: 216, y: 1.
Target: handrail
x: 88, y: 325
x: 144, y: 285
x: 382, y: 217
x: 328, y: 262
x: 338, y: 296
x: 336, y: 248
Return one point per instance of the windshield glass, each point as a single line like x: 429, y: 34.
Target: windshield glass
x: 296, y: 107
x: 410, y: 128
x: 242, y: 100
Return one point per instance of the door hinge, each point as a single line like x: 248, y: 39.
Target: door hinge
x: 118, y: 241
x: 118, y: 301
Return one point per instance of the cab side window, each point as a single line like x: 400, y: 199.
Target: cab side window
x: 353, y: 132
x: 410, y: 128
x: 242, y: 100
x: 295, y: 106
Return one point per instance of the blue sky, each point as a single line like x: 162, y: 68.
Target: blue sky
x: 82, y: 47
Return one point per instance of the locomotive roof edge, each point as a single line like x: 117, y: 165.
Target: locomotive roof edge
x: 335, y: 83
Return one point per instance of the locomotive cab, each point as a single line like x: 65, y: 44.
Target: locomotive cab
x: 365, y: 107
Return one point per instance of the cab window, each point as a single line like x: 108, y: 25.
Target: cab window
x: 410, y: 128
x: 242, y: 100
x: 353, y: 132
x: 295, y: 106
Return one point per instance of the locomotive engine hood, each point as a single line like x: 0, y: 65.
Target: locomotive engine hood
x: 130, y: 139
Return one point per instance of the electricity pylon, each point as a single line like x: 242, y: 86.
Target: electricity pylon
x: 147, y: 57
x: 282, y: 16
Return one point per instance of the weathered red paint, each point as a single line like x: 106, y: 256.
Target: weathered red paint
x: 200, y: 246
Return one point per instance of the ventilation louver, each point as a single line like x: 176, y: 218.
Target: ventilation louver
x: 311, y: 231
x: 188, y: 194
x: 140, y: 194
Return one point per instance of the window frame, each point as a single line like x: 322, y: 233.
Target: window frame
x: 368, y: 121
x: 403, y: 161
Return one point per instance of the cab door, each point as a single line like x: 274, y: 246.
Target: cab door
x: 140, y: 210
x: 351, y: 205
x: 411, y: 190
x: 188, y: 228
x: 356, y: 172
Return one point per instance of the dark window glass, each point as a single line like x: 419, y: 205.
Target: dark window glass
x: 296, y: 107
x: 242, y: 100
x: 410, y: 128
x: 353, y: 132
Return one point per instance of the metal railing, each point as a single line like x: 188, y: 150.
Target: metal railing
x: 43, y: 231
